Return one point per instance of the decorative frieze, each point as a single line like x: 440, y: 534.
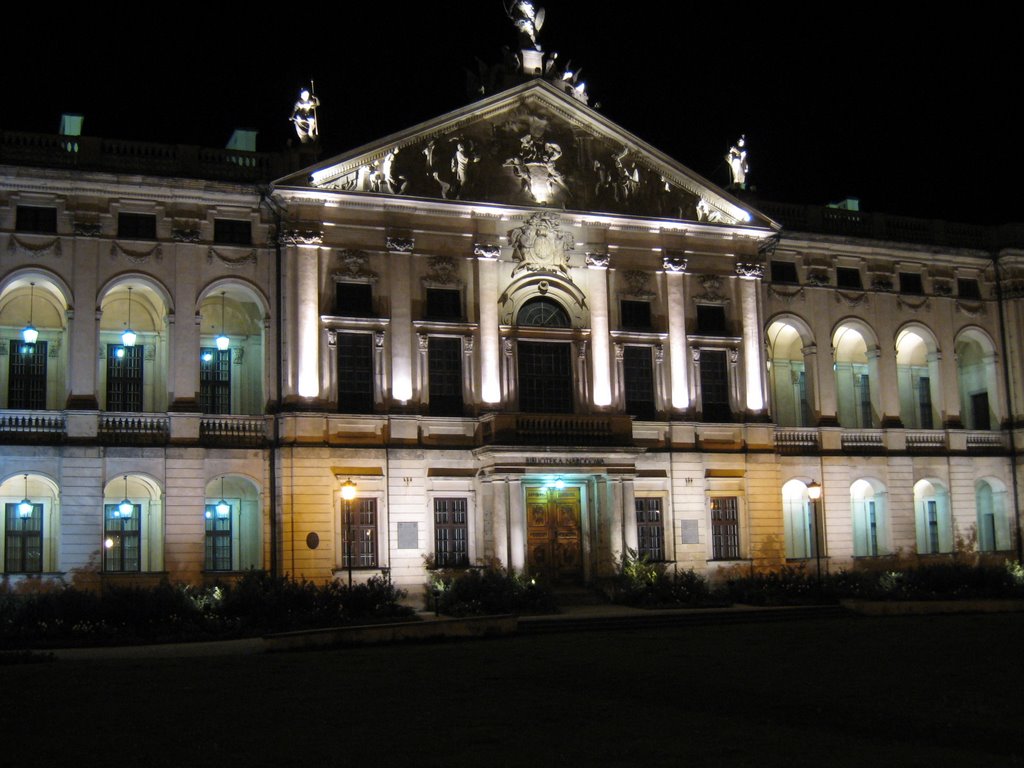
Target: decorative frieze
x: 673, y: 261
x: 18, y: 247
x: 87, y: 228
x: 399, y: 244
x: 136, y: 256
x: 486, y: 250
x: 231, y: 262
x: 749, y: 270
x: 597, y: 260
x: 300, y: 237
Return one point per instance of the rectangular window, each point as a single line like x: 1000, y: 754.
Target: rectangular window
x: 979, y: 411
x: 725, y: 528
x: 355, y: 373
x: 444, y: 304
x: 545, y: 377
x: 711, y: 320
x: 36, y: 218
x: 26, y: 386
x: 232, y: 231
x: 636, y: 315
x: 911, y: 284
x: 849, y: 278
x: 968, y: 289
x: 444, y: 363
x: 214, y: 380
x: 121, y: 543
x: 218, y: 540
x: 650, y: 530
x: 353, y: 300
x: 136, y: 226
x: 451, y: 533
x: 863, y: 387
x: 359, y: 533
x: 784, y: 272
x: 932, y: 520
x: 124, y: 378
x: 638, y: 381
x: 714, y: 386
x: 23, y: 540
x: 872, y: 520
x: 924, y: 399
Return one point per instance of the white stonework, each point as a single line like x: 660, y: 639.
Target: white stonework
x: 493, y: 380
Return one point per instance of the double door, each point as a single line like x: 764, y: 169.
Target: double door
x: 553, y: 534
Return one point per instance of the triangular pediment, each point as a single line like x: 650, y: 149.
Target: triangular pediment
x: 529, y: 146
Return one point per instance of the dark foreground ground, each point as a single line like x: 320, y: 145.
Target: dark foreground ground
x: 922, y: 691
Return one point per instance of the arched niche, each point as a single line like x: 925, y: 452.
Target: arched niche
x: 977, y: 379
x: 233, y: 524
x: 33, y: 374
x: 132, y: 535
x: 917, y: 377
x: 790, y: 354
x: 133, y: 377
x: 855, y: 363
x: 231, y: 380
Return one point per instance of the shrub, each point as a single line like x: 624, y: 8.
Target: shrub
x: 487, y: 591
x: 641, y: 582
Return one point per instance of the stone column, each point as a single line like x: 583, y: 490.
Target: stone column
x: 885, y: 393
x: 629, y: 530
x: 307, y: 318
x: 399, y: 272
x: 500, y: 519
x: 83, y: 336
x: 597, y: 266
x: 183, y: 359
x: 753, y: 365
x: 516, y: 525
x: 487, y: 290
x: 811, y: 379
x: 675, y: 267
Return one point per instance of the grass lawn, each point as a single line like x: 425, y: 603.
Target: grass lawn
x: 920, y: 691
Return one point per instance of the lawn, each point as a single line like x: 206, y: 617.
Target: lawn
x: 922, y: 691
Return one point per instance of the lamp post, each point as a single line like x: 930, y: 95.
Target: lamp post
x: 348, y: 492
x: 814, y: 493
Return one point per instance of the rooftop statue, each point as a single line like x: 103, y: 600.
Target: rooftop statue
x: 528, y: 21
x: 737, y: 160
x: 304, y: 115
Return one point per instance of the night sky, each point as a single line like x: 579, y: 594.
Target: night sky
x: 910, y: 114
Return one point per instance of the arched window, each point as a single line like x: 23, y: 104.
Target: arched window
x: 31, y: 520
x: 788, y: 376
x: 977, y: 376
x: 133, y: 366
x: 856, y: 367
x: 233, y: 525
x: 798, y: 519
x: 543, y: 313
x: 934, y: 522
x: 231, y: 351
x: 917, y: 378
x: 870, y: 519
x: 33, y: 333
x: 993, y: 522
x: 132, y: 525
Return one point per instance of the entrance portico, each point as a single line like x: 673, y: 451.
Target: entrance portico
x: 564, y: 517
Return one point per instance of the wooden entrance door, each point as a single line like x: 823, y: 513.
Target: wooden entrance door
x: 553, y: 535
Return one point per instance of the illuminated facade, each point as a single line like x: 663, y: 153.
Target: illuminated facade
x: 521, y: 333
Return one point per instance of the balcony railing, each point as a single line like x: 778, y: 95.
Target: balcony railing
x: 133, y: 429
x: 932, y: 440
x: 796, y: 440
x: 863, y: 440
x: 32, y: 426
x: 561, y: 429
x: 981, y: 440
x: 233, y: 431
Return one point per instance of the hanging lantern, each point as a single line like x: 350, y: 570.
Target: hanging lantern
x: 25, y: 506
x: 29, y: 334
x: 129, y: 336
x: 125, y: 508
x: 222, y: 341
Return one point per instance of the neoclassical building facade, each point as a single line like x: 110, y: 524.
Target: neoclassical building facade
x: 514, y: 334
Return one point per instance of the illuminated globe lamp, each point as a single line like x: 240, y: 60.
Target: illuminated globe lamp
x: 29, y: 334
x: 814, y: 490
x: 125, y: 508
x: 221, y: 508
x: 348, y: 490
x: 128, y: 336
x: 222, y: 341
x: 25, y: 506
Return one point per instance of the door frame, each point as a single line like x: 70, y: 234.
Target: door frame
x: 585, y: 485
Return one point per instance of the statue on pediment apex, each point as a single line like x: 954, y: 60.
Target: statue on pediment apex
x: 528, y: 21
x: 539, y: 245
x: 737, y: 161
x: 304, y: 115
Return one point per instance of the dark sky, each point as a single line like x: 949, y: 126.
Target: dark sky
x: 910, y: 113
